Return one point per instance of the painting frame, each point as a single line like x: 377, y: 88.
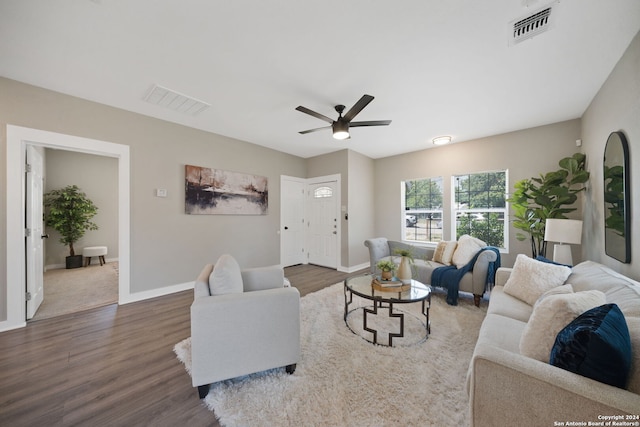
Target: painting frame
x: 210, y: 191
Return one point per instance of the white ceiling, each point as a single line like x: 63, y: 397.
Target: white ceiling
x: 435, y: 67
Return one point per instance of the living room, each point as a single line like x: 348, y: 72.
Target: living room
x: 168, y: 248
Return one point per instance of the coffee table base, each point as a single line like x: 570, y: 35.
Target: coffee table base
x: 375, y: 310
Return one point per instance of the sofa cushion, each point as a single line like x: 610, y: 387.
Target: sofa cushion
x: 550, y: 315
x: 444, y: 252
x: 530, y: 278
x: 466, y: 249
x: 633, y: 384
x: 502, y: 332
x: 619, y: 289
x: 558, y: 290
x: 596, y: 345
x: 226, y: 277
x: 506, y: 305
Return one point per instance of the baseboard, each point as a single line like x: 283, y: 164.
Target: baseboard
x: 351, y: 269
x: 154, y: 293
x: 59, y: 266
x: 8, y: 326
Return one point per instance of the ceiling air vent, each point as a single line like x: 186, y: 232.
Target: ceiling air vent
x: 531, y: 25
x: 168, y: 98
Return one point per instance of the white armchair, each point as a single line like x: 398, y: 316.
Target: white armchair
x: 241, y: 333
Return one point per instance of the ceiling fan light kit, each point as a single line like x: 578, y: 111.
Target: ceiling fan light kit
x: 340, y: 127
x: 340, y: 130
x: 441, y: 140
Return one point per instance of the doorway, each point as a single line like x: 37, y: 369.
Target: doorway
x: 310, y: 221
x: 17, y: 140
x: 71, y: 290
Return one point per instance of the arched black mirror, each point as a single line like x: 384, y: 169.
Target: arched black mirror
x: 617, y: 220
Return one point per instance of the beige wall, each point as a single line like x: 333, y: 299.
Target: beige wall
x: 361, y: 208
x: 616, y: 107
x: 524, y: 154
x: 97, y: 177
x: 356, y: 171
x: 167, y: 246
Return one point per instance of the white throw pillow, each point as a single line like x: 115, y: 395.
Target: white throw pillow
x: 563, y: 289
x: 550, y: 316
x: 467, y: 248
x: 225, y: 277
x: 444, y: 252
x: 530, y: 278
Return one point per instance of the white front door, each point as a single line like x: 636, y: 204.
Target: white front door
x: 292, y: 201
x: 34, y: 219
x: 322, y: 230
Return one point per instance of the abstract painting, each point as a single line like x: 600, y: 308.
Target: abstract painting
x: 219, y: 192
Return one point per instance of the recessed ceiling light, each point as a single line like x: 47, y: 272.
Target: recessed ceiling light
x: 441, y: 140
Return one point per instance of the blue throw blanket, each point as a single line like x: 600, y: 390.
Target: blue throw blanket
x: 449, y: 276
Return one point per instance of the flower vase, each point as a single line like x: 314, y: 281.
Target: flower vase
x: 404, y: 271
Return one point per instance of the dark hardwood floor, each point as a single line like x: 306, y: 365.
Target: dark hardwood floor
x: 113, y: 365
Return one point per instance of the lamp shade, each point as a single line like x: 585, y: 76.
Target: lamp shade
x: 563, y: 231
x: 340, y: 129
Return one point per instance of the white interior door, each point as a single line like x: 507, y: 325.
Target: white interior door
x: 322, y: 230
x: 34, y: 219
x: 292, y: 221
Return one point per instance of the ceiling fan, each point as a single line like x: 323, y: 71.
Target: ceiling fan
x: 343, y: 123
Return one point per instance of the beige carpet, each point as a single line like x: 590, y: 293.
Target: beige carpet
x: 343, y: 380
x: 78, y: 289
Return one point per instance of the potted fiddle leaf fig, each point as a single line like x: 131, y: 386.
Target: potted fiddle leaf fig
x: 69, y: 211
x: 551, y: 195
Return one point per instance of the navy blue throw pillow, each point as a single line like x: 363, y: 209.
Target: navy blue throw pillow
x: 596, y: 345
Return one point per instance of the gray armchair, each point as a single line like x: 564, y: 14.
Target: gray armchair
x: 473, y: 282
x: 237, y: 334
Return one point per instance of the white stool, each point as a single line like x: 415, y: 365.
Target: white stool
x: 91, y: 251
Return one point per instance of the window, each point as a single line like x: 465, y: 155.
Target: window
x: 322, y: 192
x: 480, y: 206
x: 423, y: 210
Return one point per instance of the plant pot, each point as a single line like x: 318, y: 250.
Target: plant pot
x: 74, y: 261
x: 404, y: 271
x: 387, y: 275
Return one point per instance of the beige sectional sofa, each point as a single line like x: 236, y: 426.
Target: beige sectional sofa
x: 508, y: 388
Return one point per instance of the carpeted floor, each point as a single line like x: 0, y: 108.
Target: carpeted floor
x: 342, y: 379
x: 78, y: 289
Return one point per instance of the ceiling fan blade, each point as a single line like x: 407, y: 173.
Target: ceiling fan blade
x: 363, y: 102
x: 314, y: 114
x: 314, y: 130
x: 370, y: 123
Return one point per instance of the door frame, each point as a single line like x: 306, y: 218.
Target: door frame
x: 283, y: 206
x: 17, y: 139
x: 307, y: 182
x: 320, y: 180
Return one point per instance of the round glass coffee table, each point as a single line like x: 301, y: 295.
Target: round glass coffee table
x: 386, y: 297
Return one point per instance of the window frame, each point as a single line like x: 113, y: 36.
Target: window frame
x: 422, y: 211
x: 453, y: 217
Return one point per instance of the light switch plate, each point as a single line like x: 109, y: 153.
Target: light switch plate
x: 161, y: 192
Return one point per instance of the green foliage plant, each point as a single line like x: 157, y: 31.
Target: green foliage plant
x: 549, y: 196
x: 407, y: 253
x: 386, y: 265
x: 69, y: 211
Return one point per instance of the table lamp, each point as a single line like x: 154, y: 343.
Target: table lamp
x: 563, y: 231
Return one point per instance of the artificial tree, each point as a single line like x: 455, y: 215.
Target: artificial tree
x: 69, y: 211
x: 549, y: 196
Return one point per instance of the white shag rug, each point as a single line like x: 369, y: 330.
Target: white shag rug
x: 343, y: 380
